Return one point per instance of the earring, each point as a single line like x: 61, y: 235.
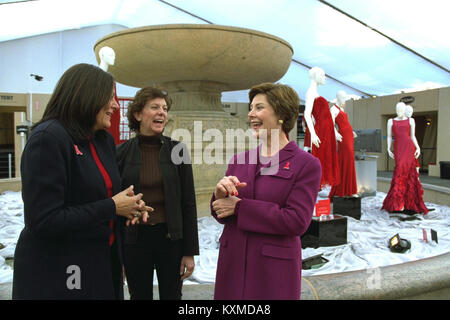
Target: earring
x: 280, y: 121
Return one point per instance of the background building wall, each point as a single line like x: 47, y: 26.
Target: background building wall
x: 443, y: 136
x: 49, y: 55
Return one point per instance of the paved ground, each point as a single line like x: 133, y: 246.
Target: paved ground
x: 190, y: 292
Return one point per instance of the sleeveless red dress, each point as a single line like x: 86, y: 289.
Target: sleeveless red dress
x: 327, y: 151
x: 307, y: 138
x: 406, y: 190
x: 347, y: 187
x: 115, y: 121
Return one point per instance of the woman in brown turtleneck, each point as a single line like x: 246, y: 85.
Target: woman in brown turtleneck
x: 168, y: 240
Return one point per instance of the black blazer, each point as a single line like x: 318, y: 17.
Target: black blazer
x: 67, y: 215
x: 179, y: 191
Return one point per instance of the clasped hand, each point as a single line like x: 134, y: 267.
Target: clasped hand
x: 131, y: 206
x: 225, y: 207
x: 226, y: 196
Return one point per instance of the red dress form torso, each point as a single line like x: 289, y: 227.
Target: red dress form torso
x: 347, y: 187
x: 327, y: 151
x: 406, y: 190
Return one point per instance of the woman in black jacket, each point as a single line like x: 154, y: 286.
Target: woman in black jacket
x: 70, y: 245
x: 169, y: 239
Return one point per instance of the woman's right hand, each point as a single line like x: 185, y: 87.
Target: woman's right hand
x: 228, y: 185
x: 315, y: 140
x: 390, y: 154
x: 131, y: 206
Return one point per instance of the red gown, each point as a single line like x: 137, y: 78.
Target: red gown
x: 327, y: 151
x: 307, y: 139
x: 406, y: 190
x: 115, y: 121
x: 347, y: 187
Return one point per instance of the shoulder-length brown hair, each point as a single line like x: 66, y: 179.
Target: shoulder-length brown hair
x: 283, y: 99
x: 81, y: 92
x: 141, y: 98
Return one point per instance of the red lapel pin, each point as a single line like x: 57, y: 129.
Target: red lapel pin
x: 286, y: 166
x: 77, y: 151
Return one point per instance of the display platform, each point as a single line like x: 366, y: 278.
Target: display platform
x: 347, y: 206
x: 331, y: 231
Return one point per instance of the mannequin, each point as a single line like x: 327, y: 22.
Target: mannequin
x: 321, y: 129
x: 335, y: 108
x: 317, y: 77
x: 347, y: 187
x: 409, y: 112
x: 400, y: 109
x: 107, y: 57
x: 405, y: 193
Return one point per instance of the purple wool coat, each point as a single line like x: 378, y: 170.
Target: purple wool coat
x: 260, y: 249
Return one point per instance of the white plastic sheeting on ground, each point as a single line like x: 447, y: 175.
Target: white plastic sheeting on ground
x: 11, y: 224
x: 366, y: 246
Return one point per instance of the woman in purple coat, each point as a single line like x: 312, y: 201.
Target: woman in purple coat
x: 265, y: 202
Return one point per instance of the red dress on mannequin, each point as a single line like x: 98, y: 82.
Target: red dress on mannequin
x: 307, y: 138
x: 115, y: 121
x: 406, y: 190
x: 327, y: 151
x: 347, y: 187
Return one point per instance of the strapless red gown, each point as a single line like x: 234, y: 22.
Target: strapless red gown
x: 347, y: 187
x: 406, y: 190
x: 327, y: 152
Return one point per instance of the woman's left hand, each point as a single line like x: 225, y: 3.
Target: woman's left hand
x: 187, y: 267
x: 142, y: 213
x: 225, y: 207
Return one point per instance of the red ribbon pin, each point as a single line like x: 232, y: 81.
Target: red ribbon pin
x: 77, y: 151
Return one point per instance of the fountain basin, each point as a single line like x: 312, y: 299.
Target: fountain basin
x: 233, y: 58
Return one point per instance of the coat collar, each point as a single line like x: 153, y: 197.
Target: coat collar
x: 281, y: 157
x: 278, y: 163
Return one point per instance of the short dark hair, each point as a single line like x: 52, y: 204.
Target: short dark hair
x: 140, y: 99
x: 283, y: 99
x: 81, y: 92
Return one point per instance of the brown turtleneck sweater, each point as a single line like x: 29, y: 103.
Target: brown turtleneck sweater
x: 151, y: 181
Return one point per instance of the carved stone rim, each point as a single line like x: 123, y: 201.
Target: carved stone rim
x: 192, y: 26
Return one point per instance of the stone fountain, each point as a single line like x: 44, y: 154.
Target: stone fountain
x: 195, y: 64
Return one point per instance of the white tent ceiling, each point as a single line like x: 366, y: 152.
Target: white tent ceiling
x: 370, y: 47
